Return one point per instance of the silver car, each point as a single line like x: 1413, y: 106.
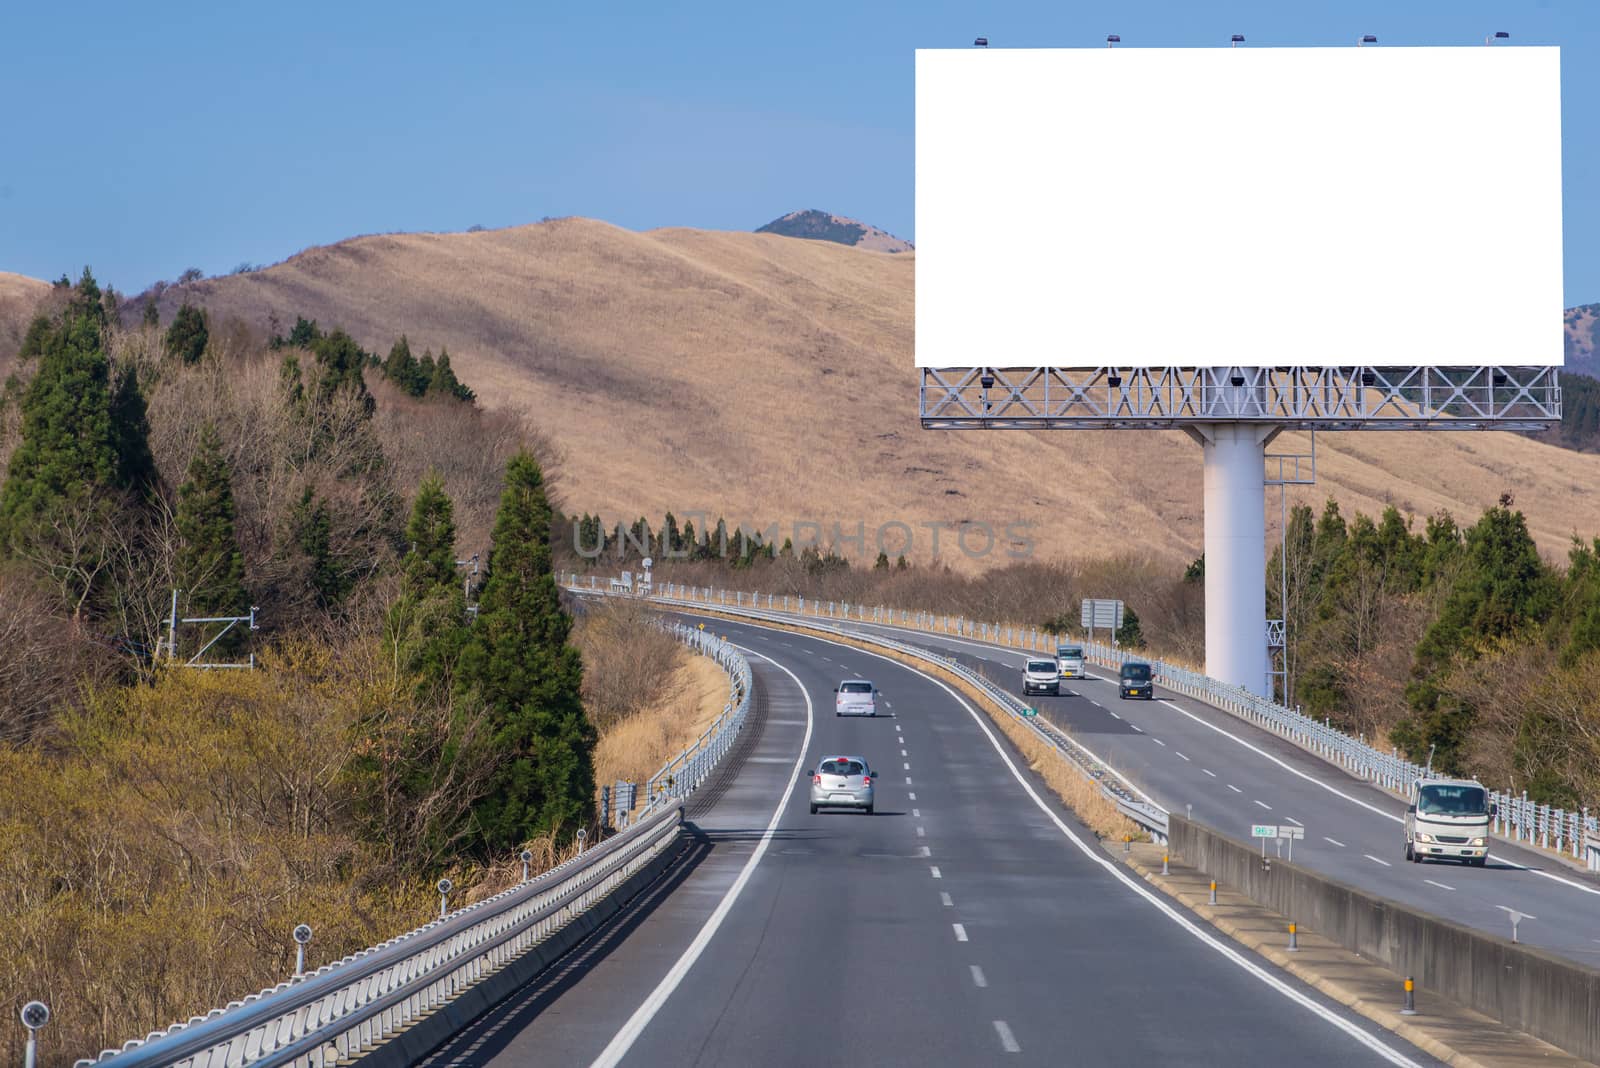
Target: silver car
x: 855, y: 697
x: 842, y: 782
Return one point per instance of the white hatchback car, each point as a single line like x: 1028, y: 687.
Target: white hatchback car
x: 855, y: 697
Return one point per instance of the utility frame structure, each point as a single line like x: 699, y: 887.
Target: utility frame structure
x: 1319, y: 238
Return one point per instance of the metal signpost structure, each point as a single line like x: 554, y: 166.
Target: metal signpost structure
x: 1050, y: 247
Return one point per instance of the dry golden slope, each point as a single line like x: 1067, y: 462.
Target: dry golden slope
x: 769, y: 378
x: 19, y: 295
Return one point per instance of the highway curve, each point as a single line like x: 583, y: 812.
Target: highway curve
x: 970, y: 920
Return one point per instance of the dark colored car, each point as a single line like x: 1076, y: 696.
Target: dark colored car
x: 1136, y: 680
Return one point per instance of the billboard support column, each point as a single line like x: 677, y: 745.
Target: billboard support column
x: 1236, y: 569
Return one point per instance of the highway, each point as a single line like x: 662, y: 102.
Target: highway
x: 971, y: 920
x: 1234, y: 774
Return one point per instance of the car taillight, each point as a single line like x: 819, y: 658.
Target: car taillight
x: 816, y: 779
x: 866, y: 780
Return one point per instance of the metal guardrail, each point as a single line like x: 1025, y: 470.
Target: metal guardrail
x: 1517, y: 818
x: 346, y: 1008
x: 1134, y: 803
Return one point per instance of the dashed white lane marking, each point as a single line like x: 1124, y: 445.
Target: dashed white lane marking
x: 1335, y: 841
x: 1097, y: 704
x: 1113, y: 714
x: 1159, y: 742
x: 1263, y: 804
x: 922, y: 832
x: 927, y: 852
x: 961, y: 932
x: 912, y: 796
x: 1136, y: 727
x: 906, y: 767
x: 624, y: 1039
x: 1008, y: 1041
x: 1209, y: 772
x: 934, y: 870
x: 908, y: 778
x: 1294, y: 821
x: 902, y: 752
x: 1376, y: 860
x: 978, y: 979
x: 944, y: 899
x: 1180, y: 755
x: 1234, y: 788
x: 1441, y: 886
x: 916, y: 813
x: 899, y: 740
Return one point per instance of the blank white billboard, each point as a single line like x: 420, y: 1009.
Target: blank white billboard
x: 1238, y: 207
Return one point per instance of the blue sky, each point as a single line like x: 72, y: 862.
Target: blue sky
x: 144, y: 139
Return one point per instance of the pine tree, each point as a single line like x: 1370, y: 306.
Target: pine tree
x: 1130, y: 635
x: 209, y: 567
x: 312, y: 528
x: 519, y: 668
x: 130, y: 433
x: 341, y: 361
x: 445, y: 382
x: 900, y: 564
x: 425, y: 374
x: 691, y: 542
x: 401, y: 367
x: 882, y: 562
x: 188, y: 335
x: 152, y: 313
x: 671, y: 538
x: 305, y: 333
x: 427, y: 623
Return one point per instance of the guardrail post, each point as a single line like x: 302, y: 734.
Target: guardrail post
x: 1213, y: 891
x: 1409, y: 1008
x: 35, y: 1014
x: 302, y: 936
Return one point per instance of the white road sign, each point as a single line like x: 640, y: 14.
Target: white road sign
x: 1288, y: 831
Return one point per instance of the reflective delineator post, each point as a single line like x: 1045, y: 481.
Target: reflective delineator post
x: 1164, y: 864
x: 582, y: 834
x: 527, y: 859
x: 302, y: 935
x: 1410, y: 1007
x: 1127, y: 843
x: 35, y: 1014
x: 1213, y: 891
x: 444, y: 887
x: 1294, y: 939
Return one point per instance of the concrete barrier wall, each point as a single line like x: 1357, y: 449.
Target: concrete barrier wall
x: 1525, y: 988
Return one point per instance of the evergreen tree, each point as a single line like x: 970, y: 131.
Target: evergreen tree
x: 445, y: 382
x: 341, y: 361
x: 1130, y: 635
x: 305, y: 333
x: 882, y: 562
x: 901, y: 564
x: 691, y: 541
x: 717, y: 543
x: 188, y: 335
x: 428, y: 621
x: 130, y: 432
x: 312, y: 529
x: 291, y: 383
x: 68, y: 452
x: 739, y: 548
x: 401, y: 368
x: 152, y: 313
x: 671, y: 538
x: 209, y: 567
x: 519, y: 668
x: 425, y: 373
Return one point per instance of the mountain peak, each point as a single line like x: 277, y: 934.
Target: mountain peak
x: 817, y: 225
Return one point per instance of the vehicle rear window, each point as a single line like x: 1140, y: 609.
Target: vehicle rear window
x: 856, y: 687
x: 1070, y: 652
x: 843, y: 767
x: 1041, y: 665
x: 1138, y: 672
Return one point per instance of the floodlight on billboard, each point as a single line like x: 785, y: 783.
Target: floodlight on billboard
x: 1233, y: 207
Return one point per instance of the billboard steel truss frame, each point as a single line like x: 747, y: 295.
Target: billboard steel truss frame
x: 1293, y: 398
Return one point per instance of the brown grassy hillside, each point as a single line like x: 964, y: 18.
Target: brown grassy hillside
x: 771, y: 379
x: 19, y: 295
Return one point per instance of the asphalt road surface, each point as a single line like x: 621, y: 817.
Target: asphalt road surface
x: 970, y: 920
x: 1185, y: 753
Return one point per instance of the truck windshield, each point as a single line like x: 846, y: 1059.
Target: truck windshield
x: 1069, y: 652
x: 1041, y: 666
x: 1453, y: 801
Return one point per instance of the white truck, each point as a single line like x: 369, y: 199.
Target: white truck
x: 1448, y: 819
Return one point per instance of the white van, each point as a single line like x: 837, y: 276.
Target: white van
x: 1070, y: 660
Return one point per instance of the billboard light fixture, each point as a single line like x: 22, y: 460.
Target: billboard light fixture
x: 1498, y: 35
x: 1366, y: 39
x: 1237, y: 39
x: 1112, y: 40
x: 980, y: 42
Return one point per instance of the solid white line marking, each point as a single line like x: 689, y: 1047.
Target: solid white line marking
x: 1294, y: 821
x: 1335, y: 841
x: 1209, y: 772
x: 624, y: 1039
x: 1376, y: 860
x: 1162, y: 744
x: 1180, y: 755
x: 1441, y: 886
x: 944, y: 899
x: 1263, y: 804
x: 1234, y: 788
x: 934, y: 869
x: 978, y: 979
x: 1008, y: 1041
x: 961, y: 932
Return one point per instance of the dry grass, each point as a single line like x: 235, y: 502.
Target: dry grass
x: 634, y: 748
x: 19, y: 298
x: 770, y: 379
